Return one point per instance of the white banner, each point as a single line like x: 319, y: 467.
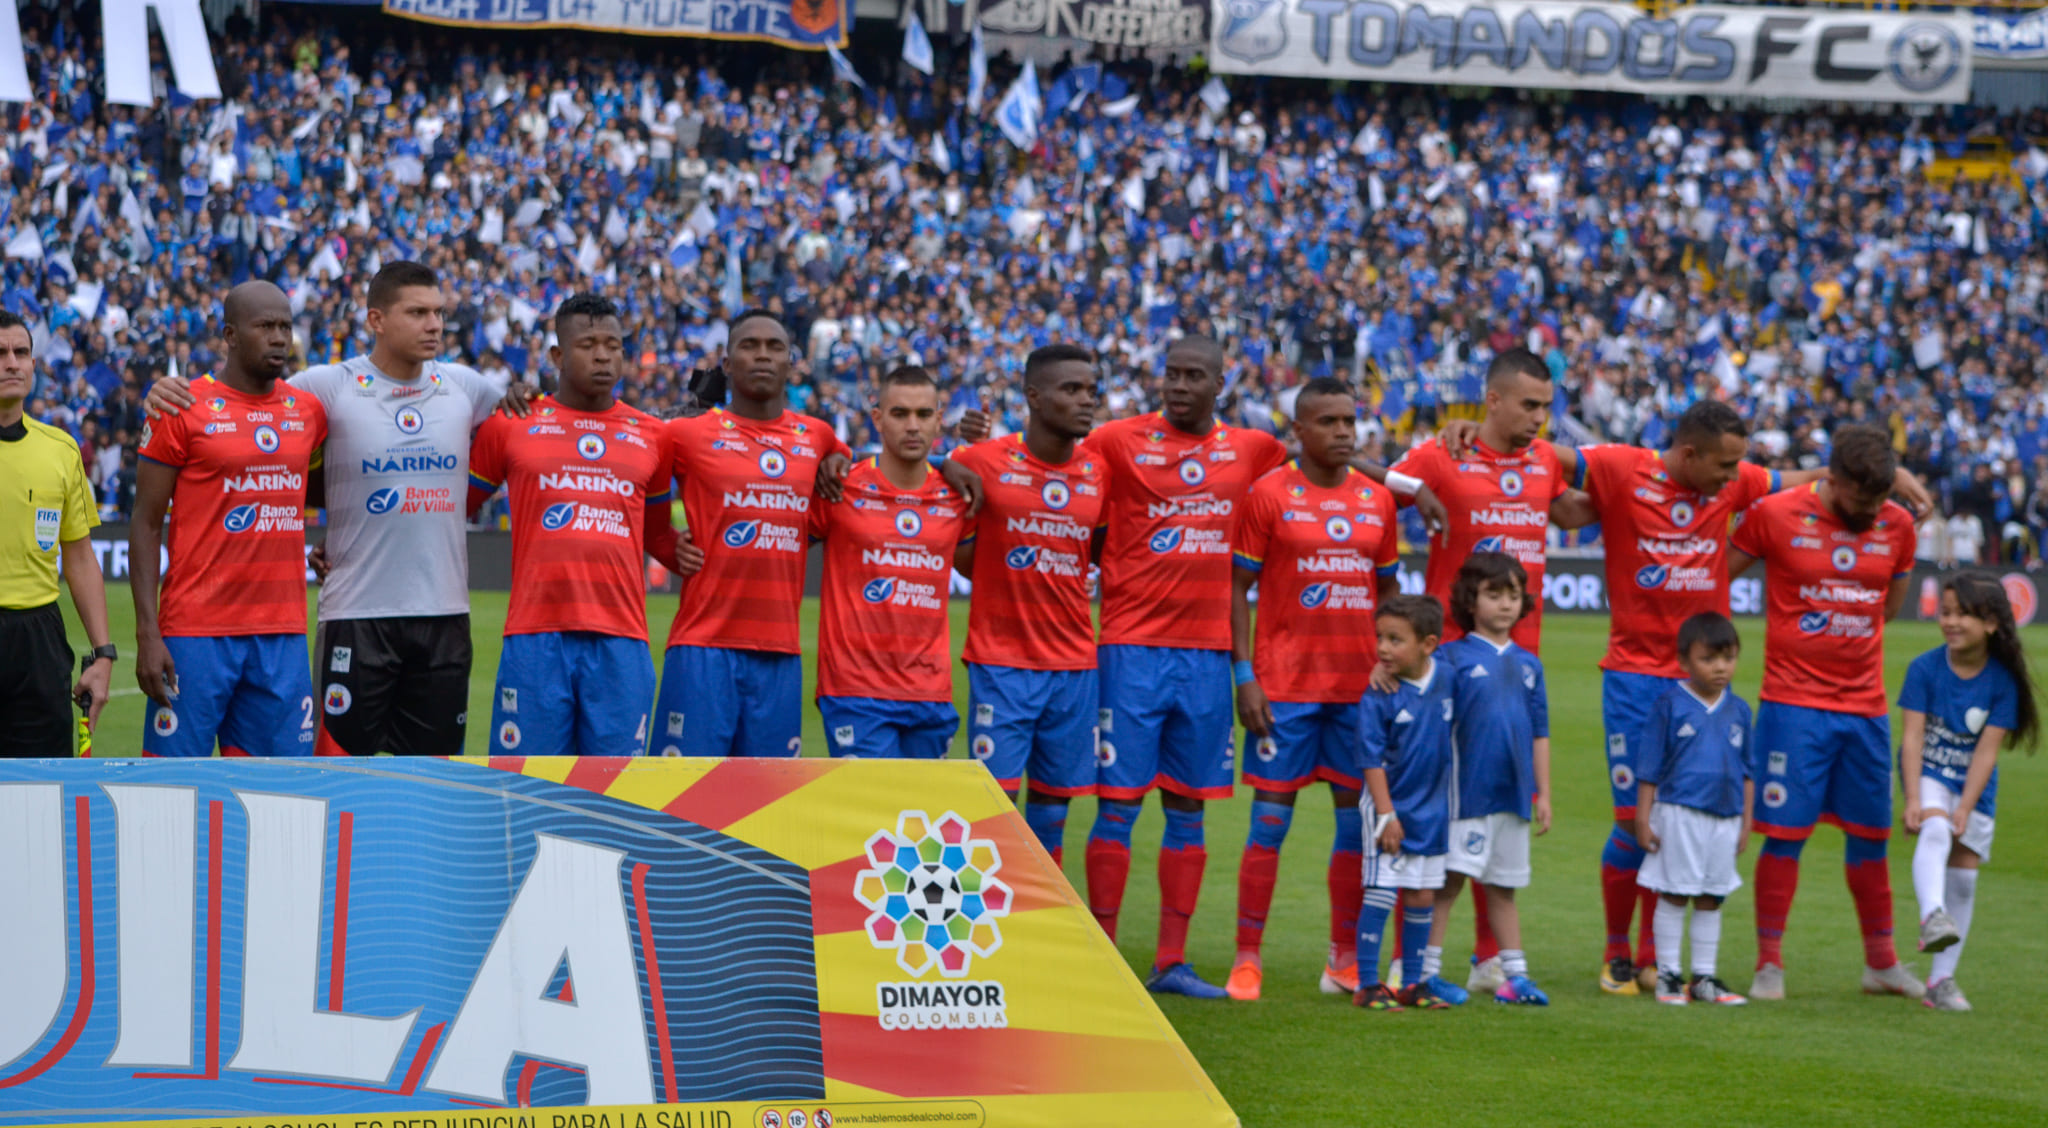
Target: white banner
x: 2011, y: 37
x: 1728, y: 51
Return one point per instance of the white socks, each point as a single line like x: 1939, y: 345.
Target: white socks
x: 1432, y: 961
x: 1962, y: 900
x: 1669, y: 928
x: 1930, y: 863
x: 1513, y: 962
x: 1706, y: 940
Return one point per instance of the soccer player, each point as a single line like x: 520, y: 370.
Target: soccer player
x: 1500, y: 729
x: 1318, y: 538
x: 1405, y: 752
x: 223, y: 657
x: 393, y: 650
x: 1961, y: 702
x: 575, y: 676
x: 1030, y: 640
x: 1694, y: 800
x: 1838, y: 559
x: 885, y: 681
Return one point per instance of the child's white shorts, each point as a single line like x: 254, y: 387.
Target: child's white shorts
x: 1936, y: 796
x: 1492, y: 849
x: 1401, y: 871
x: 1695, y: 855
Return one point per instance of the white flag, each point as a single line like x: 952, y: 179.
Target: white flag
x: 940, y: 156
x: 1215, y: 95
x: 842, y: 68
x: 1017, y: 114
x: 1121, y: 106
x: 917, y: 46
x: 26, y: 244
x: 977, y: 72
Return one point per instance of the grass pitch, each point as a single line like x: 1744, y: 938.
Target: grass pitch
x: 1826, y: 1056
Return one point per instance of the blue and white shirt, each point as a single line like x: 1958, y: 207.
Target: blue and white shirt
x: 1500, y: 708
x: 1958, y: 709
x: 1696, y: 753
x: 1407, y: 733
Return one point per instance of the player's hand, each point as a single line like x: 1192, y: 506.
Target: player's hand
x: 966, y: 481
x: 1915, y: 815
x: 168, y: 396
x: 1645, y: 837
x: 518, y: 398
x: 1457, y: 437
x: 155, y: 673
x: 832, y: 474
x: 1742, y: 842
x: 95, y: 681
x: 1912, y: 493
x: 1391, y: 835
x: 318, y: 560
x: 1542, y: 812
x: 1959, y: 821
x: 976, y: 424
x: 1434, y: 515
x: 689, y: 558
x: 1383, y: 678
x: 1254, y: 712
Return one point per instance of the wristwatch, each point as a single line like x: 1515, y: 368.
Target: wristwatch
x: 98, y: 652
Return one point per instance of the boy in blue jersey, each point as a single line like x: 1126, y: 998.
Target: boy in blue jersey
x: 1500, y: 754
x: 1694, y: 798
x: 1405, y: 757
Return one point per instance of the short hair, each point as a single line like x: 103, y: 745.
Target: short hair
x: 747, y: 315
x: 1516, y: 362
x: 595, y: 307
x: 1059, y: 352
x: 1862, y: 453
x: 1422, y: 612
x: 1487, y: 571
x: 907, y: 376
x: 1319, y: 387
x: 10, y: 320
x: 1210, y: 348
x: 1705, y: 422
x: 1710, y: 629
x: 396, y: 276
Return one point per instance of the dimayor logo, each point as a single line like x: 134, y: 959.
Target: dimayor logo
x: 1252, y: 30
x: 933, y: 893
x: 556, y: 516
x: 382, y: 501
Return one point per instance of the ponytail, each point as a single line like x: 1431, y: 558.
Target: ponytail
x: 1983, y: 597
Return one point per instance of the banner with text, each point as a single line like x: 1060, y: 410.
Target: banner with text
x: 1118, y: 23
x: 1708, y: 50
x: 803, y: 24
x: 2010, y: 38
x: 682, y: 943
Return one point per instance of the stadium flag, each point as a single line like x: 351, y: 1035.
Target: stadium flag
x: 1215, y: 95
x: 917, y: 46
x: 977, y: 72
x: 27, y: 242
x: 1122, y: 107
x: 1017, y: 114
x: 842, y: 68
x: 940, y: 156
x: 746, y: 943
x: 125, y: 26
x: 732, y: 291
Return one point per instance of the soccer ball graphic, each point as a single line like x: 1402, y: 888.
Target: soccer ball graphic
x: 933, y: 895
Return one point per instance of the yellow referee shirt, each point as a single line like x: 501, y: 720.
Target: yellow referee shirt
x: 44, y: 502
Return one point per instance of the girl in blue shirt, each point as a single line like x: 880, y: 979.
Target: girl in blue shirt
x: 1962, y: 702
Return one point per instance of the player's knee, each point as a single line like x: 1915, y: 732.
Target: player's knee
x: 1675, y: 899
x: 1277, y: 798
x: 1705, y: 904
x: 1269, y: 824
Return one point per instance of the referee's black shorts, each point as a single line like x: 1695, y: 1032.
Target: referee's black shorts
x: 397, y: 685
x: 35, y: 683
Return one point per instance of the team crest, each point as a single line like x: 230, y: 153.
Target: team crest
x: 1191, y: 472
x: 1338, y: 529
x: 1252, y: 30
x: 1775, y: 794
x: 773, y: 464
x: 1624, y: 777
x: 591, y: 447
x: 508, y: 735
x: 1475, y: 842
x: 1843, y: 558
x: 410, y: 420
x: 1511, y: 483
x: 1105, y: 752
x: 1734, y: 735
x: 1056, y: 495
x: 1924, y: 56
x: 266, y: 440
x: 166, y: 722
x: 1682, y: 513
x: 338, y: 700
x: 983, y: 747
x: 1267, y: 750
x: 908, y: 524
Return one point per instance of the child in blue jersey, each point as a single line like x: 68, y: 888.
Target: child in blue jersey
x: 1405, y: 758
x: 1500, y: 754
x: 1962, y: 702
x: 1695, y: 794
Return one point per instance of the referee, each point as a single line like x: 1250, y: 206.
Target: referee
x: 46, y: 510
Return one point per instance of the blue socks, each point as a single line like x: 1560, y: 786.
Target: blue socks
x: 1790, y: 849
x: 1184, y: 830
x: 1622, y: 851
x: 1114, y: 822
x: 1414, y: 938
x: 1372, y: 929
x: 1350, y: 831
x: 1049, y: 822
x: 1269, y: 825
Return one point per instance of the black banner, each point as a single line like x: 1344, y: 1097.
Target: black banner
x: 1115, y: 23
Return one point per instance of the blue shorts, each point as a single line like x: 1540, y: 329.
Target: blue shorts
x: 1040, y: 722
x: 1625, y: 703
x: 880, y: 729
x: 1310, y: 741
x: 251, y: 693
x: 1166, y: 718
x: 720, y: 702
x: 1813, y: 765
x: 572, y: 693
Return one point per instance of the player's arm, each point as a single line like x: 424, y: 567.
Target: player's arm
x: 1387, y: 828
x: 89, y: 595
x: 1906, y: 486
x: 1253, y: 710
x: 1541, y: 808
x: 1983, y: 762
x: 1895, y: 596
x: 486, y: 466
x: 1912, y: 744
x: 1650, y: 771
x: 963, y: 556
x: 168, y: 396
x: 1408, y: 490
x: 1573, y: 509
x: 1748, y: 812
x: 1748, y: 543
x: 155, y: 673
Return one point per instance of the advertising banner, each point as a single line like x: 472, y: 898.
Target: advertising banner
x: 1121, y: 23
x: 1579, y: 584
x: 1769, y: 52
x: 2010, y: 38
x: 545, y: 942
x: 802, y: 24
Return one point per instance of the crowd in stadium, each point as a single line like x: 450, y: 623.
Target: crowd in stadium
x: 1805, y: 270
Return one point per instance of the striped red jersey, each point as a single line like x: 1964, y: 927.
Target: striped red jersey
x: 1173, y: 498
x: 882, y: 618
x: 1497, y: 503
x: 578, y: 482
x: 236, y: 531
x: 1030, y: 608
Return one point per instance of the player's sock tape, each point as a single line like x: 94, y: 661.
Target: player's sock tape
x: 1270, y: 822
x: 1114, y: 822
x: 1183, y: 830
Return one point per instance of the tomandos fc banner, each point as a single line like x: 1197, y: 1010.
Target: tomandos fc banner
x: 1777, y: 52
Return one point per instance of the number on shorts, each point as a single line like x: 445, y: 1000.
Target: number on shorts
x: 640, y: 734
x: 306, y: 704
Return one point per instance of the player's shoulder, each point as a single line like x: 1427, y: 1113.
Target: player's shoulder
x: 1116, y: 431
x: 321, y: 380
x: 1896, y: 520
x: 1276, y: 480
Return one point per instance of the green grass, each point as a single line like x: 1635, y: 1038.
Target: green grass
x: 1827, y: 1056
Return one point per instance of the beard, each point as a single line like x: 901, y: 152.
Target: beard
x: 1856, y: 522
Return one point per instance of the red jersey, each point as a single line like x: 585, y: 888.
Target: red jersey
x: 747, y: 487
x: 1497, y: 503
x: 1030, y: 608
x: 1667, y: 550
x: 1320, y: 554
x: 578, y: 483
x: 1173, y: 498
x: 1824, y: 596
x: 882, y: 623
x: 236, y: 531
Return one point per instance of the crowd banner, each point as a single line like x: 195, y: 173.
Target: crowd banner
x: 803, y: 24
x: 1119, y: 23
x: 2018, y: 38
x: 545, y: 942
x: 1774, y: 52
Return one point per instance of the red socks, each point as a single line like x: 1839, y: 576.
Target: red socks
x: 1257, y: 872
x: 1109, y: 870
x: 1777, y: 879
x: 1180, y: 886
x: 1870, y: 884
x: 1646, y: 939
x: 1347, y: 898
x: 1618, y: 896
x: 1484, y: 946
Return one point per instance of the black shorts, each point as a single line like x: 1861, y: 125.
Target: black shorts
x: 396, y: 685
x: 35, y: 684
